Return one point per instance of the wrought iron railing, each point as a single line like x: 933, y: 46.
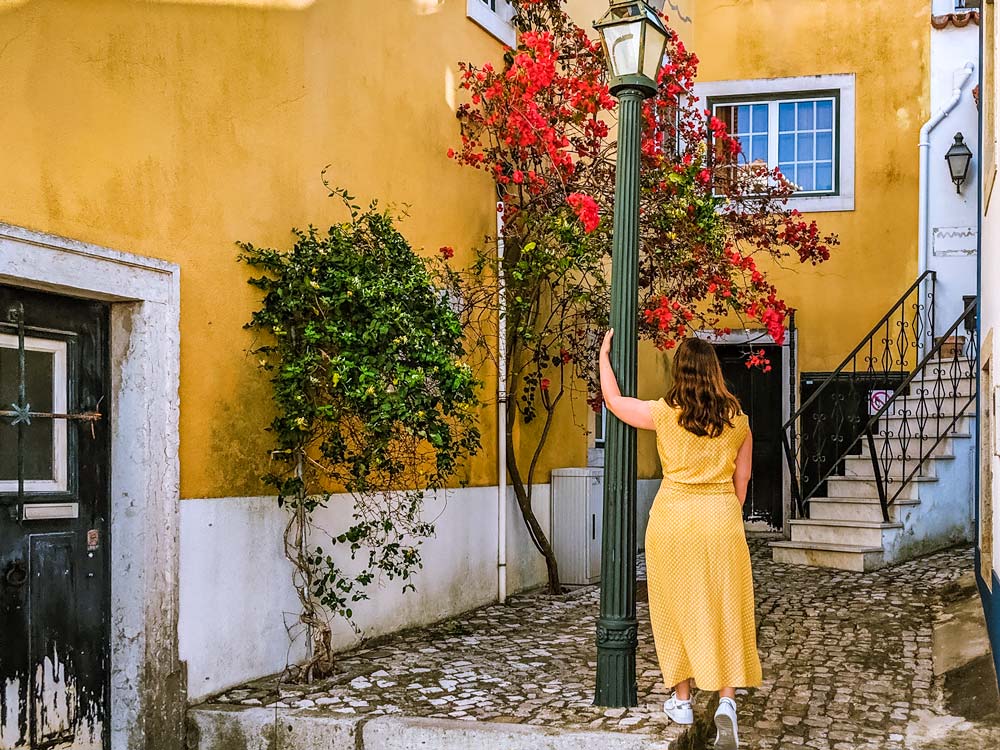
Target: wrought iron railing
x: 827, y: 427
x: 924, y: 409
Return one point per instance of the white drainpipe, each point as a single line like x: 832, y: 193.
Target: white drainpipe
x: 501, y: 415
x: 925, y: 147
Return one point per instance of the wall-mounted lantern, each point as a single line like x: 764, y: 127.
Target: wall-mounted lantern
x: 959, y: 158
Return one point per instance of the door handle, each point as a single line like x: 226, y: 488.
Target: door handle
x: 17, y: 574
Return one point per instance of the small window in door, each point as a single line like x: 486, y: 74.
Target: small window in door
x: 42, y: 448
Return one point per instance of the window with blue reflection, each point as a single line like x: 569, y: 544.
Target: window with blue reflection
x: 806, y: 143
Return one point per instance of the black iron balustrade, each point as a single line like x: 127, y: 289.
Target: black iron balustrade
x: 924, y: 410
x: 827, y: 427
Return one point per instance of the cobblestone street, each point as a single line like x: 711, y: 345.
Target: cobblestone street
x: 847, y: 663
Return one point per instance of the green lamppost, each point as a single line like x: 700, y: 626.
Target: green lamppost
x: 634, y: 39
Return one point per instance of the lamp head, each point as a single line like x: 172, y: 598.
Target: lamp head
x: 634, y: 40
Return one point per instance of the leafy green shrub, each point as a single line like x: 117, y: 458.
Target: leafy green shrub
x: 372, y: 395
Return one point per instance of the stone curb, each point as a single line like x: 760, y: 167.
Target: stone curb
x: 264, y: 729
x: 392, y: 733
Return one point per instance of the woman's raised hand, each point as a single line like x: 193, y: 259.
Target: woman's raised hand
x: 606, y: 344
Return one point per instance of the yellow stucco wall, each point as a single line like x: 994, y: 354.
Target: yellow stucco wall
x: 174, y: 129
x: 886, y: 45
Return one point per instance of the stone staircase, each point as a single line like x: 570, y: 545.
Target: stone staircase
x: 845, y: 529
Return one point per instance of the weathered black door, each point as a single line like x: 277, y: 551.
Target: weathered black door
x: 54, y: 543
x: 760, y: 394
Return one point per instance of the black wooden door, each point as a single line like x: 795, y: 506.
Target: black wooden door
x: 760, y: 394
x: 54, y: 542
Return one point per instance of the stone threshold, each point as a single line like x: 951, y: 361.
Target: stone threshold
x: 241, y: 728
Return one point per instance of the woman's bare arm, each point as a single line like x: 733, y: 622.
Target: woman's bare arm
x: 744, y: 465
x: 631, y: 411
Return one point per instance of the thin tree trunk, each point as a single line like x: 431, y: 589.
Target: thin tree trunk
x: 523, y: 495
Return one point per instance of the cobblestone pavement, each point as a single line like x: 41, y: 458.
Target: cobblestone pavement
x: 846, y: 656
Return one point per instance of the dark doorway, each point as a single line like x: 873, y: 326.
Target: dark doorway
x: 54, y: 512
x: 760, y: 394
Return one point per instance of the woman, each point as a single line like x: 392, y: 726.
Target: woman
x: 697, y: 561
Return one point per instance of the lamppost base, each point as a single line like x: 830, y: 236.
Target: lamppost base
x: 617, y: 640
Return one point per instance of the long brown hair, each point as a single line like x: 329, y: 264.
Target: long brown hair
x: 699, y: 390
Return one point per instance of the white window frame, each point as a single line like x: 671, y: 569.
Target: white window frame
x: 801, y: 86
x: 495, y: 17
x: 60, y: 430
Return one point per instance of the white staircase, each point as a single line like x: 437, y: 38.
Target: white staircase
x: 846, y: 530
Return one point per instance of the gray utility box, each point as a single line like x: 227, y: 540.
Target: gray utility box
x: 577, y: 501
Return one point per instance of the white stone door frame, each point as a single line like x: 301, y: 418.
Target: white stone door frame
x: 748, y: 337
x: 147, y: 678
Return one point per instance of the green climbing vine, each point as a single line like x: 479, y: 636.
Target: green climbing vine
x: 372, y: 395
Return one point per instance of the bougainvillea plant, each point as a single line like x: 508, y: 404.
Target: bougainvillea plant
x: 541, y: 124
x: 372, y: 394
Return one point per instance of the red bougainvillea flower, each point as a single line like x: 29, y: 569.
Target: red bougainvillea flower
x: 538, y: 125
x: 757, y: 359
x: 447, y: 251
x: 586, y: 210
x: 544, y: 385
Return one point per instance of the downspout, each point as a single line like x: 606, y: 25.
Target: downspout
x: 925, y: 147
x: 501, y: 414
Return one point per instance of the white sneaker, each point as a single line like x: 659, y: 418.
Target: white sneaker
x: 727, y: 736
x: 680, y: 712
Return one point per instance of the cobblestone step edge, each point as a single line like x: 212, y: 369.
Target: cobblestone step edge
x: 264, y: 729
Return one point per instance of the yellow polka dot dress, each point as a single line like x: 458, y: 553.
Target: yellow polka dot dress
x: 697, y: 562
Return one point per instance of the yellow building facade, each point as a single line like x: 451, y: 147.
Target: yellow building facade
x: 174, y: 129
x: 154, y: 134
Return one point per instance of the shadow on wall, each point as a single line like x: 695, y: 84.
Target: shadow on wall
x: 239, y: 441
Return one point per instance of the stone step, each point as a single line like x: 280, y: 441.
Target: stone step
x: 947, y: 370
x: 929, y: 404
x: 859, y: 533
x: 914, y: 407
x: 862, y: 467
x: 867, y: 487
x: 911, y: 447
x: 837, y: 556
x: 936, y: 387
x: 855, y: 509
x: 926, y: 425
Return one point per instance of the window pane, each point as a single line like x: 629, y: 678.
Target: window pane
x: 728, y: 116
x: 743, y: 119
x: 805, y: 115
x: 786, y: 117
x: 804, y: 151
x: 759, y: 150
x: 804, y: 177
x: 824, y: 146
x: 788, y: 170
x: 824, y: 176
x: 824, y: 115
x: 760, y: 118
x: 38, y: 436
x: 786, y: 148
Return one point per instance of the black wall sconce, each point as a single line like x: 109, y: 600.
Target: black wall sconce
x: 959, y: 158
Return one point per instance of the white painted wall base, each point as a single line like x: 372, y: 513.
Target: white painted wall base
x: 237, y: 602
x: 238, y: 612
x: 945, y: 515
